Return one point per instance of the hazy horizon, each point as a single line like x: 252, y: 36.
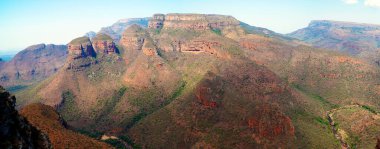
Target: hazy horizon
x: 26, y: 23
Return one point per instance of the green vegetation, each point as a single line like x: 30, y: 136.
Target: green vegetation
x: 370, y: 109
x: 178, y: 92
x: 235, y: 50
x: 322, y: 121
x: 69, y: 108
x: 315, y: 96
x: 157, y: 31
x: 148, y: 105
x: 108, y: 105
x: 217, y: 31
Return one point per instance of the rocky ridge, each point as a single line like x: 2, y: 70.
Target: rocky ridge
x: 33, y: 64
x: 360, y: 40
x: 192, y: 21
x: 221, y: 85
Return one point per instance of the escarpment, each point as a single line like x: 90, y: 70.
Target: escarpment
x: 133, y: 37
x: 202, y: 81
x: 32, y: 64
x: 192, y: 21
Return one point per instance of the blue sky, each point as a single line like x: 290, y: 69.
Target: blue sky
x: 28, y: 22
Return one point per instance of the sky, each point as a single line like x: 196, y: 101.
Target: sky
x: 27, y: 22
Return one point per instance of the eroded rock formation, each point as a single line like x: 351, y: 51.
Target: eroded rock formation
x: 104, y: 44
x: 133, y: 37
x: 81, y: 47
x: 192, y: 21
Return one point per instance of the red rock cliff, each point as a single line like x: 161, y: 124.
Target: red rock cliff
x: 192, y: 21
x: 104, y: 44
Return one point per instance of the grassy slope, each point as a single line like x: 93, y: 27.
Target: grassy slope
x: 48, y: 121
x: 149, y: 111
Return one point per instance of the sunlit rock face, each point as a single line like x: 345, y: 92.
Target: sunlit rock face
x: 192, y: 21
x: 104, y: 44
x: 133, y: 37
x: 81, y: 47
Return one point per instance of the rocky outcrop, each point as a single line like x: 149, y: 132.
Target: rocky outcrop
x: 116, y: 30
x: 269, y: 124
x: 104, y: 44
x: 192, y: 21
x: 209, y: 92
x: 157, y: 21
x: 15, y: 130
x: 81, y: 47
x: 149, y: 48
x: 200, y: 46
x: 133, y: 37
x: 34, y: 63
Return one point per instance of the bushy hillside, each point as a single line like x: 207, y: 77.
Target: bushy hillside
x: 208, y: 81
x: 48, y: 121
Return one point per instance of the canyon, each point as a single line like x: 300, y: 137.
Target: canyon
x: 204, y: 81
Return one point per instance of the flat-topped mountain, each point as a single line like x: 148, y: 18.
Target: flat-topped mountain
x: 33, y: 64
x: 357, y: 39
x: 211, y: 81
x: 192, y: 21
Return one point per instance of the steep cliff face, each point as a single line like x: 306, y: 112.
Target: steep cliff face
x: 33, y: 64
x: 15, y: 130
x: 80, y: 48
x: 104, y: 44
x: 133, y: 37
x: 192, y: 21
x: 203, y: 81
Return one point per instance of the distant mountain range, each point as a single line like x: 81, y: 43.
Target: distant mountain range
x: 362, y: 40
x: 206, y: 81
